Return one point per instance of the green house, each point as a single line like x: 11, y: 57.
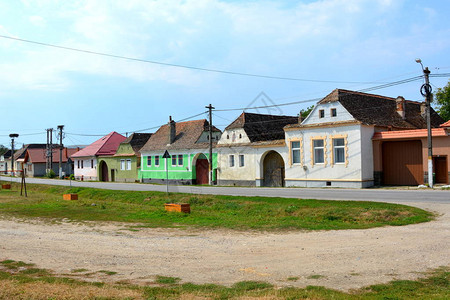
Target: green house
x: 123, y: 166
x: 187, y: 144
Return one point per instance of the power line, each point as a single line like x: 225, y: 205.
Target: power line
x: 184, y: 66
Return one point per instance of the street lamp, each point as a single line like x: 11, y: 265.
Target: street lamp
x: 12, y: 136
x: 425, y: 90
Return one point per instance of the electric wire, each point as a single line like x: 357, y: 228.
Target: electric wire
x: 183, y: 66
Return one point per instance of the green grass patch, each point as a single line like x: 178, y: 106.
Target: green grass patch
x: 435, y: 285
x: 316, y: 276
x: 232, y: 212
x: 107, y: 272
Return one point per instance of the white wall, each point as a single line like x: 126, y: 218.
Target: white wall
x: 87, y: 172
x: 237, y: 173
x: 342, y: 114
x: 349, y: 174
x: 234, y: 136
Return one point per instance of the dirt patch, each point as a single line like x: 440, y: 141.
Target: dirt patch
x: 328, y: 258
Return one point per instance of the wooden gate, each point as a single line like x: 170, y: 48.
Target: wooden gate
x: 201, y: 171
x: 402, y: 163
x: 440, y: 169
x: 104, y: 171
x: 273, y: 169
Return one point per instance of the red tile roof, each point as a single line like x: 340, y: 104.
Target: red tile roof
x: 107, y: 145
x: 402, y: 134
x: 38, y: 155
x: 446, y: 124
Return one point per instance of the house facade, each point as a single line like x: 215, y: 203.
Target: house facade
x: 35, y: 161
x: 86, y: 166
x: 252, y: 150
x: 187, y: 143
x: 124, y: 165
x: 333, y: 145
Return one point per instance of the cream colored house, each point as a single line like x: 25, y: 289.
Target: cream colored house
x: 252, y: 151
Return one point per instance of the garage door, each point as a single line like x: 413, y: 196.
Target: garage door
x: 402, y: 163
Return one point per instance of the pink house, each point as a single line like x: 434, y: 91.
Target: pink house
x: 85, y: 160
x: 401, y: 156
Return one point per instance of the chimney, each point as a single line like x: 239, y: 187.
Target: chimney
x: 423, y: 109
x: 65, y: 152
x: 400, y: 101
x: 172, y: 130
x: 300, y: 118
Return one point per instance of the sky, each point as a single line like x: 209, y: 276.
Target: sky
x: 299, y: 50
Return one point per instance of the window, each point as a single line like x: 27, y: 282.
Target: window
x: 241, y: 160
x: 321, y: 113
x: 157, y: 161
x: 174, y: 160
x: 122, y: 164
x: 92, y: 163
x: 30, y: 168
x: 295, y: 148
x: 228, y: 136
x: 318, y: 151
x: 149, y: 161
x: 333, y: 112
x: 231, y: 160
x: 82, y: 164
x: 128, y: 164
x: 78, y: 164
x: 339, y: 150
x: 240, y: 136
x: 180, y: 159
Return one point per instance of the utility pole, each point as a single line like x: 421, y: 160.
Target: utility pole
x: 210, y: 108
x: 60, y: 127
x: 49, y: 149
x: 12, y: 136
x: 426, y: 90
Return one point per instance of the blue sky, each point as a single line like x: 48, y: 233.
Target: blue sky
x: 348, y: 42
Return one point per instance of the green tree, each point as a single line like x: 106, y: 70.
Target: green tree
x: 3, y: 149
x: 306, y: 111
x: 442, y: 101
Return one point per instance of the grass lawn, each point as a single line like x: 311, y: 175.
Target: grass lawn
x: 19, y: 280
x: 210, y: 211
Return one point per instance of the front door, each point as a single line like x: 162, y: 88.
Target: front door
x: 273, y: 170
x: 201, y: 171
x: 440, y: 169
x: 104, y: 171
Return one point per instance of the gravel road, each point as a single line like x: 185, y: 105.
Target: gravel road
x: 341, y: 260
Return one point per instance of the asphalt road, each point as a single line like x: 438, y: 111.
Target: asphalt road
x: 375, y: 194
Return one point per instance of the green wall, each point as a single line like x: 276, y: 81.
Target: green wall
x: 177, y: 172
x: 113, y: 162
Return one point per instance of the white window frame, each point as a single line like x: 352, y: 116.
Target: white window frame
x: 337, y: 148
x: 335, y: 112
x: 122, y: 164
x: 156, y: 160
x: 296, y: 150
x: 318, y: 148
x: 180, y: 159
x: 241, y: 160
x: 321, y: 113
x: 149, y: 161
x: 128, y: 164
x: 231, y: 163
x: 174, y: 159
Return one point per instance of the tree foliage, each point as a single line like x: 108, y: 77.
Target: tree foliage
x: 442, y: 101
x: 3, y: 149
x: 306, y: 111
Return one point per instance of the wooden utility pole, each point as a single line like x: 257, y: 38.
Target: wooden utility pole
x: 60, y: 127
x: 210, y: 108
x: 49, y: 150
x: 12, y: 136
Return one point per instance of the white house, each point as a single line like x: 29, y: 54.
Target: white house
x: 333, y: 145
x: 252, y: 151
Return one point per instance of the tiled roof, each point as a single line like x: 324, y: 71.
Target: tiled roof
x: 136, y: 141
x: 402, y: 134
x: 259, y: 127
x: 107, y: 145
x: 446, y: 124
x: 378, y: 110
x: 36, y: 155
x: 186, y: 136
x: 20, y: 153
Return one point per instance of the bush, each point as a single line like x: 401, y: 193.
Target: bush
x: 50, y: 174
x: 72, y: 177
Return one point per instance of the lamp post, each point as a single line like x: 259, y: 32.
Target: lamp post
x: 12, y: 136
x: 425, y: 90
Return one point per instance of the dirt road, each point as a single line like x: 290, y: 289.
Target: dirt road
x: 336, y: 259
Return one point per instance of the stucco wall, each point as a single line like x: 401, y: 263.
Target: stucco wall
x: 87, y: 172
x: 341, y: 114
x: 348, y: 174
x: 227, y: 174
